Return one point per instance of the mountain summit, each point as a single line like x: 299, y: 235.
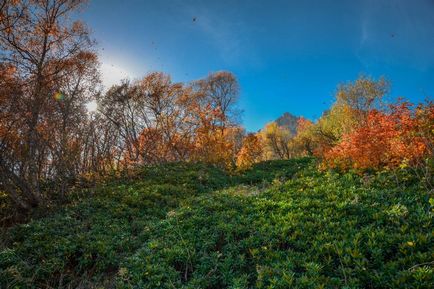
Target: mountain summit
x: 289, y: 121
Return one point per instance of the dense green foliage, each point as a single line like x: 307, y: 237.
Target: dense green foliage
x: 281, y: 224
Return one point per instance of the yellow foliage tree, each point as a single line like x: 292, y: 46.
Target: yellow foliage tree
x: 276, y: 141
x: 303, y: 144
x: 353, y: 103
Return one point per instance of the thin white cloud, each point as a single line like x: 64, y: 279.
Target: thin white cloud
x: 226, y: 32
x: 222, y: 35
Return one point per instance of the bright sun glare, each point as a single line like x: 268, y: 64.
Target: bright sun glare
x: 91, y: 106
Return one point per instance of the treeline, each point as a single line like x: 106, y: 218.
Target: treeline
x: 360, y: 131
x: 49, y: 72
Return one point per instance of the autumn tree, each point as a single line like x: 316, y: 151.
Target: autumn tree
x: 250, y: 152
x: 353, y: 103
x: 212, y: 111
x: 76, y: 85
x: 361, y: 96
x: 303, y: 143
x: 387, y: 139
x: 276, y: 141
x: 150, y: 118
x: 38, y: 41
x: 101, y: 147
x: 163, y: 100
x: 210, y: 138
x: 220, y: 90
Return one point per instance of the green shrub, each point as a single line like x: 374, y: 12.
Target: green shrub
x: 281, y: 224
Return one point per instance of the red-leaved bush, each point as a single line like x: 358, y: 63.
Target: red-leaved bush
x: 401, y: 136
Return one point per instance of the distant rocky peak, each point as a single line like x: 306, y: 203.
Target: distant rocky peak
x: 289, y: 121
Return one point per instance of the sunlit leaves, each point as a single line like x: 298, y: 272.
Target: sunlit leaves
x: 385, y: 140
x: 251, y: 151
x: 275, y: 140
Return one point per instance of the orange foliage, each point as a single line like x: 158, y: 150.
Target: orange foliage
x: 250, y: 152
x: 211, y: 140
x: 207, y: 138
x: 386, y: 140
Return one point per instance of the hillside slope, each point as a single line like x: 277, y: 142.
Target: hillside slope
x: 282, y: 224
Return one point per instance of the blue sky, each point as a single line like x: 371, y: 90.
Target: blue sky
x: 287, y: 55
